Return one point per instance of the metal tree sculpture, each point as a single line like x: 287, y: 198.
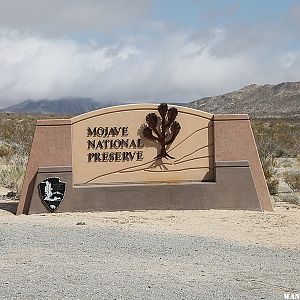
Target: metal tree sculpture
x: 164, y: 133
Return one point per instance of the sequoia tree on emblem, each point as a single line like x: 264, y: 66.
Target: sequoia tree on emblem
x: 52, y: 191
x: 163, y: 129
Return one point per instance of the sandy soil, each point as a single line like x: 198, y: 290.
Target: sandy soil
x: 280, y: 228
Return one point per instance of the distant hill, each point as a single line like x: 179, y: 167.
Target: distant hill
x: 69, y: 106
x: 266, y: 101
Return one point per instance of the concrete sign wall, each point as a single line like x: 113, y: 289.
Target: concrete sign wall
x: 144, y: 156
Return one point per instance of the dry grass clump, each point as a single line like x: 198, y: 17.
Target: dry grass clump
x: 290, y: 198
x: 281, y: 137
x: 16, y: 133
x: 11, y: 176
x: 276, y: 138
x: 292, y: 178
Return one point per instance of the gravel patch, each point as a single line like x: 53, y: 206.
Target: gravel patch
x: 40, y: 260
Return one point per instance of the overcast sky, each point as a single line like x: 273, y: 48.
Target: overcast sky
x: 144, y: 50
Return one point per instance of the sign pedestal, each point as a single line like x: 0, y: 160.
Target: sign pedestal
x: 109, y: 163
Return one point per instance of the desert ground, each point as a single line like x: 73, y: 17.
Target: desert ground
x: 209, y: 254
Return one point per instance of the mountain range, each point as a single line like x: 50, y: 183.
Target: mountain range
x: 265, y: 101
x: 262, y: 101
x: 66, y: 106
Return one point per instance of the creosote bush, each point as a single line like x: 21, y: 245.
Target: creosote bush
x: 292, y: 178
x: 17, y: 131
x: 275, y: 138
x: 267, y: 148
x: 12, y: 176
x: 290, y: 198
x: 5, y: 151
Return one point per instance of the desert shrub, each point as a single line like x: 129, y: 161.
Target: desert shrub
x: 284, y: 135
x: 290, y: 198
x: 16, y: 133
x: 18, y: 129
x: 267, y: 148
x: 281, y: 153
x: 286, y: 163
x: 275, y: 138
x: 292, y: 178
x: 273, y: 185
x: 5, y: 151
x: 12, y: 175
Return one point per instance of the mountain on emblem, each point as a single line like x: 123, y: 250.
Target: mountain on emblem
x: 52, y: 191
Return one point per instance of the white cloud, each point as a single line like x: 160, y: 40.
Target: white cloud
x: 177, y: 66
x: 287, y: 60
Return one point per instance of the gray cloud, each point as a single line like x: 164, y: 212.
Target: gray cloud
x: 56, y: 16
x: 177, y: 66
x: 164, y: 62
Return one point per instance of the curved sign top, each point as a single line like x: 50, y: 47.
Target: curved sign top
x: 142, y: 143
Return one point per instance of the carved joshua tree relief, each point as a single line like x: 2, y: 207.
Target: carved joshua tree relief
x: 163, y: 132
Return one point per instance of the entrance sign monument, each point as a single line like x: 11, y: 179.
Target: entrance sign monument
x: 144, y: 156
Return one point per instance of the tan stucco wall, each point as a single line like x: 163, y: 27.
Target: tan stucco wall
x: 225, y: 138
x: 51, y: 146
x: 233, y: 189
x: 234, y: 140
x: 192, y: 148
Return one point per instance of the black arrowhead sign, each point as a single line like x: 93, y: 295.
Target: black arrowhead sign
x: 52, y: 191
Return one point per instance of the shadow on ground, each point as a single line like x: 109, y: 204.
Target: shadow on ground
x: 9, y: 205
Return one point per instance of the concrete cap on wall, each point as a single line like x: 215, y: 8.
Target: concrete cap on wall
x: 55, y: 169
x: 236, y: 163
x: 53, y: 122
x: 227, y: 117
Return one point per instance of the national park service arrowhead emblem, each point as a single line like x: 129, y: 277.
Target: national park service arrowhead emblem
x: 52, y: 191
